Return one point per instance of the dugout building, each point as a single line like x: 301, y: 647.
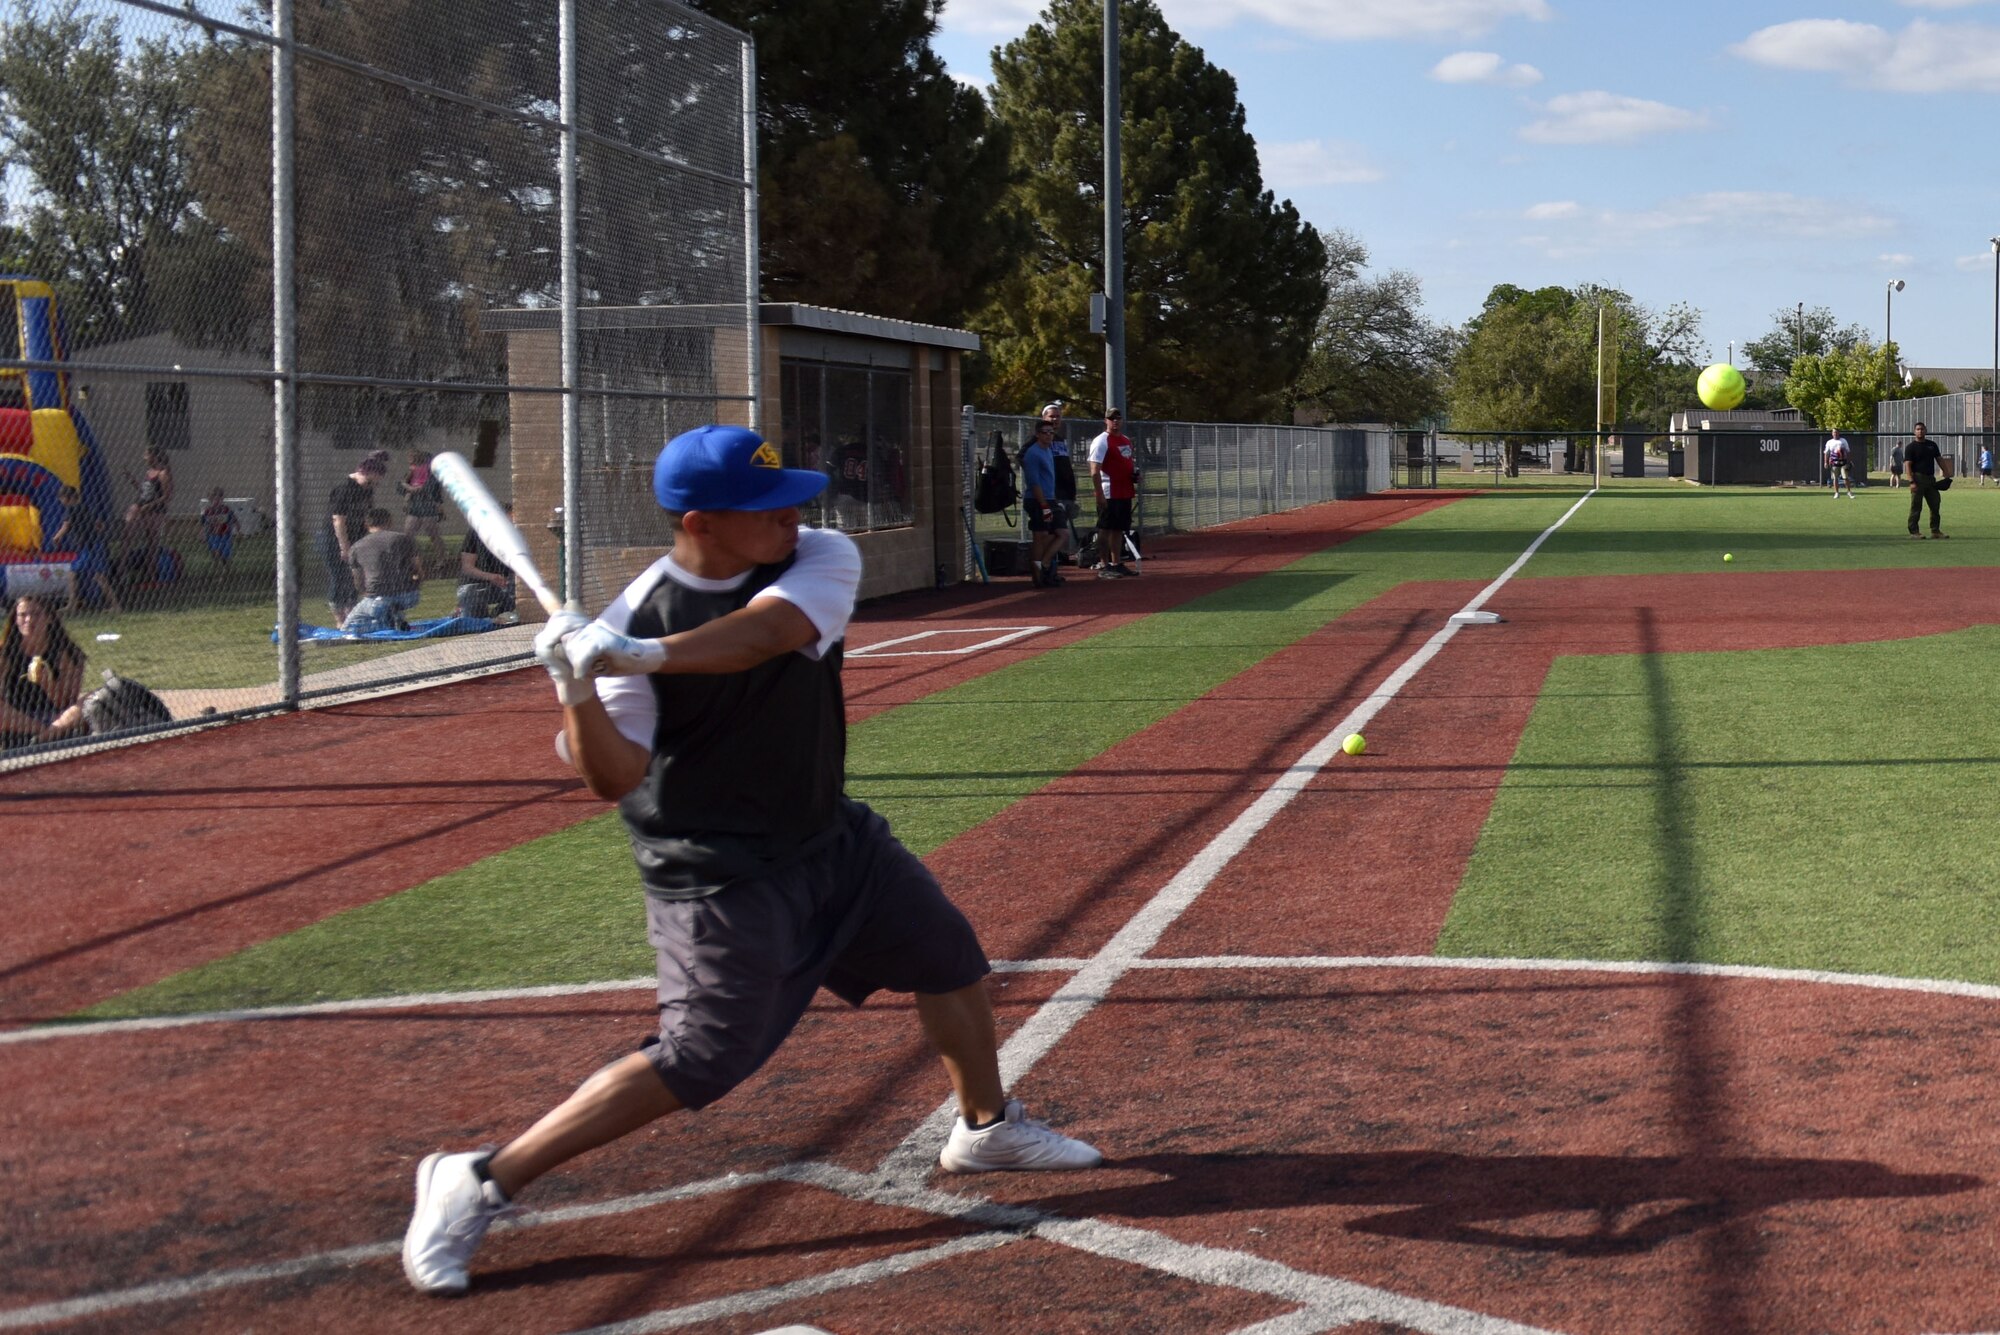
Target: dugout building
x: 871, y: 401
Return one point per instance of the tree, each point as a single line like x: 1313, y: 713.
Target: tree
x: 1528, y: 361
x: 1840, y: 387
x: 1375, y: 358
x: 1224, y: 283
x: 1791, y: 334
x: 881, y: 175
x: 94, y: 120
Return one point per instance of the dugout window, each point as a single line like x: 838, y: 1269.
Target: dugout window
x: 853, y: 423
x: 167, y: 426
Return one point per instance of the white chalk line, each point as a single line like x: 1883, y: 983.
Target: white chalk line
x: 1948, y: 987
x: 1076, y: 998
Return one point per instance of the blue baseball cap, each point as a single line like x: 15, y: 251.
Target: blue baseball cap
x: 729, y: 468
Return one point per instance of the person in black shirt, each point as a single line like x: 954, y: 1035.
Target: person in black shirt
x: 485, y: 584
x: 347, y: 508
x: 1920, y: 460
x: 707, y: 702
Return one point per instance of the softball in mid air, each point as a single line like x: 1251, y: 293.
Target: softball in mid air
x: 1729, y: 556
x: 1355, y: 744
x: 1720, y: 387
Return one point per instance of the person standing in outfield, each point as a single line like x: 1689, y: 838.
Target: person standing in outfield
x: 1835, y: 456
x: 1922, y: 458
x: 1896, y: 467
x: 1985, y: 464
x: 1045, y: 513
x: 1113, y: 482
x: 707, y: 702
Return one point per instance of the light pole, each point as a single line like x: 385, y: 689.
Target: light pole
x: 1888, y: 324
x: 1799, y: 332
x: 1996, y: 317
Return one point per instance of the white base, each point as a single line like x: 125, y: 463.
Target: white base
x: 1475, y: 618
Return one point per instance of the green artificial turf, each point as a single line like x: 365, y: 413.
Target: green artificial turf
x: 1788, y: 808
x: 566, y: 908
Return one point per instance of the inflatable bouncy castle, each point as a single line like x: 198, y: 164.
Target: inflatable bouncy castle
x: 46, y: 449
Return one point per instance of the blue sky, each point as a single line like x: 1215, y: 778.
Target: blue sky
x: 1741, y: 157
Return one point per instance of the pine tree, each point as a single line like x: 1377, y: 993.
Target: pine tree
x: 1223, y: 281
x: 880, y: 174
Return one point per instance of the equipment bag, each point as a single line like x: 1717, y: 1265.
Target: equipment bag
x: 996, y: 491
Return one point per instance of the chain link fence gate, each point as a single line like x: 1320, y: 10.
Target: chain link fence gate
x: 254, y: 253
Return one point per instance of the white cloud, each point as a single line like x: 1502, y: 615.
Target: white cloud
x: 1897, y: 260
x: 1599, y: 117
x: 1568, y: 230
x: 1336, y: 20
x: 1316, y: 162
x: 1980, y: 263
x: 983, y: 87
x: 1939, y: 4
x: 1483, y: 67
x: 1925, y: 57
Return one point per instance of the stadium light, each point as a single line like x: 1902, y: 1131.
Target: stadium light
x: 1888, y: 323
x: 1996, y: 317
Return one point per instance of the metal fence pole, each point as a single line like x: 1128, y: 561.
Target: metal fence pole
x: 572, y: 453
x: 284, y: 350
x: 752, y: 265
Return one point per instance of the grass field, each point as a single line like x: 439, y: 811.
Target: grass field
x: 1745, y: 807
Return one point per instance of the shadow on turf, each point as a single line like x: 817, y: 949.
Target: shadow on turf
x: 1633, y: 1204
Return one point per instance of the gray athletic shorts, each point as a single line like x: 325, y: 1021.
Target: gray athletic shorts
x: 738, y: 968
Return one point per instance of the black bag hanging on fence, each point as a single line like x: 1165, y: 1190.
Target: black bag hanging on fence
x: 996, y: 491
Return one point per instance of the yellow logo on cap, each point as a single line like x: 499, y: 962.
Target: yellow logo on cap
x: 766, y: 457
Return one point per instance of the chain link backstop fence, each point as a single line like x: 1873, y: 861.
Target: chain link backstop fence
x: 264, y: 260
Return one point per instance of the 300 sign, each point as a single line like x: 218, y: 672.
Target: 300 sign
x: 1770, y: 446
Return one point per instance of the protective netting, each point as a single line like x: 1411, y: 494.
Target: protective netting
x: 147, y: 469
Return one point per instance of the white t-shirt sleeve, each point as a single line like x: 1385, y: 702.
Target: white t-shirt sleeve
x: 1100, y: 447
x: 628, y: 700
x: 822, y: 583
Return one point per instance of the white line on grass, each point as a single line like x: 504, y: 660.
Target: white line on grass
x: 1079, y: 996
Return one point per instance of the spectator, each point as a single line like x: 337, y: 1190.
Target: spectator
x: 147, y: 515
x: 423, y: 504
x: 1985, y: 464
x: 41, y: 676
x: 1052, y: 413
x: 388, y: 572
x: 347, y: 510
x: 1921, y: 457
x: 81, y: 534
x: 1045, y: 513
x: 1835, y: 456
x: 1896, y: 467
x: 485, y: 584
x: 219, y: 527
x: 850, y: 485
x: 1112, y: 482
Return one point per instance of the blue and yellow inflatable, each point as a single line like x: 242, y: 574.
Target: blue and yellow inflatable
x: 45, y: 446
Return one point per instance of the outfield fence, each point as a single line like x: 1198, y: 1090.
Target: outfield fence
x: 255, y: 244
x: 1191, y: 475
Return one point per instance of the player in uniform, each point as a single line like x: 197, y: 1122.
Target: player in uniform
x: 707, y: 702
x: 1836, y: 458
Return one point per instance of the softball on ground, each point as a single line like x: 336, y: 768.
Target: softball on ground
x: 1355, y: 744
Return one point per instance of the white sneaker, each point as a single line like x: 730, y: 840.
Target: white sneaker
x: 1017, y: 1142
x: 455, y: 1206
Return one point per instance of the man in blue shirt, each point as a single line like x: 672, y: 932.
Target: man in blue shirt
x: 1045, y: 515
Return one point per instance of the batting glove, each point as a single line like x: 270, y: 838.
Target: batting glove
x: 570, y: 689
x: 599, y: 651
